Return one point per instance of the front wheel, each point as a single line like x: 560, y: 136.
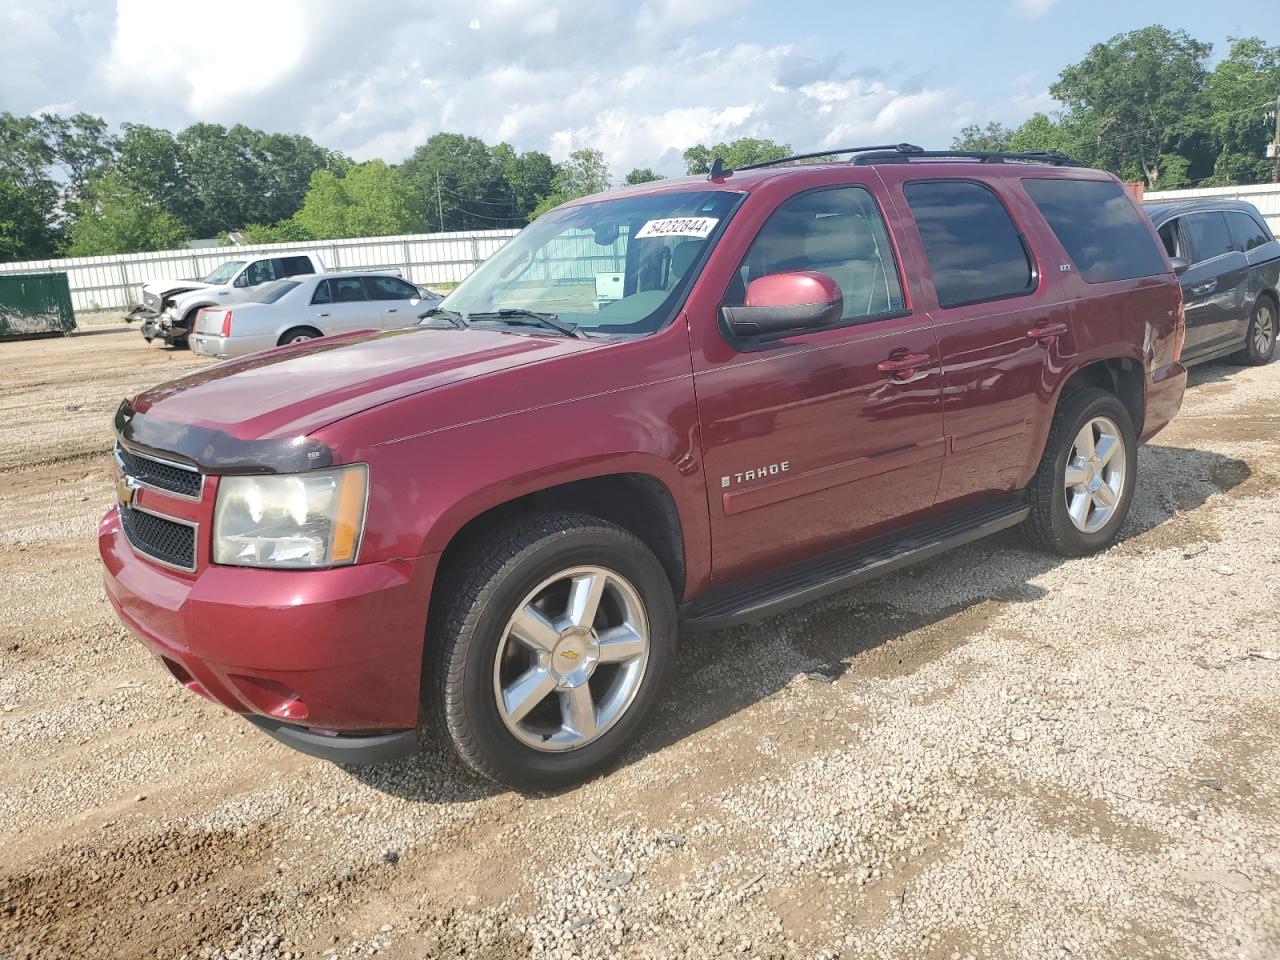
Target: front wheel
x: 556, y: 641
x: 1260, y: 338
x: 1080, y: 495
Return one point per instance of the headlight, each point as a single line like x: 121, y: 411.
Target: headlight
x: 293, y: 520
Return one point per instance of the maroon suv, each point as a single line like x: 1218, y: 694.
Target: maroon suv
x: 672, y: 407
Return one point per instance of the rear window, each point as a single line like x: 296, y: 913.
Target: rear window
x: 272, y: 291
x: 975, y: 252
x: 1099, y: 227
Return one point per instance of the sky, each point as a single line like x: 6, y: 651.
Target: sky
x: 639, y: 80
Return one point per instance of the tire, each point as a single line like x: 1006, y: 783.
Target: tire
x: 474, y: 655
x: 1260, y: 338
x: 1051, y: 525
x: 299, y: 335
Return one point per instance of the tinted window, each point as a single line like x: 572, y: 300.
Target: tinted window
x: 389, y: 288
x: 323, y: 294
x: 259, y: 272
x: 347, y: 290
x: 1097, y: 224
x: 1174, y: 244
x: 1208, y: 233
x: 272, y: 292
x: 972, y: 246
x: 836, y: 232
x: 292, y: 266
x: 1246, y: 232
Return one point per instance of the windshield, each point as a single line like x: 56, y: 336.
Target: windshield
x: 225, y: 272
x: 271, y: 292
x: 614, y: 267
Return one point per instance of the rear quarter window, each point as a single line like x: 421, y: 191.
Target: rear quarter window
x: 1099, y: 227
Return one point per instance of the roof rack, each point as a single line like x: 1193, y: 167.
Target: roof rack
x: 903, y: 153
x: 719, y: 170
x: 982, y: 156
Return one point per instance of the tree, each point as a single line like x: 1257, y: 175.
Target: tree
x: 152, y: 162
x: 81, y: 148
x: 114, y: 217
x: 1138, y: 95
x: 460, y: 182
x: 739, y: 153
x: 367, y: 200
x: 994, y: 137
x: 584, y: 172
x: 529, y: 177
x: 642, y: 175
x: 25, y: 233
x: 1241, y: 89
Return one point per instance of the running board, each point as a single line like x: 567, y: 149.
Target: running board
x: 830, y: 573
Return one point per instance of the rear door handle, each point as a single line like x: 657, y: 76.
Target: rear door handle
x: 1047, y: 331
x: 1208, y: 287
x: 321, y: 314
x: 903, y: 366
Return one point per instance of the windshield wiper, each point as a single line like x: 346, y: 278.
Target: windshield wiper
x: 518, y: 314
x: 453, y: 316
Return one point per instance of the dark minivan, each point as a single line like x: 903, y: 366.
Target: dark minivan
x: 1231, y: 277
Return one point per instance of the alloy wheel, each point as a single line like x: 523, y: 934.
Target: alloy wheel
x: 1264, y: 329
x: 571, y: 659
x: 1095, y: 474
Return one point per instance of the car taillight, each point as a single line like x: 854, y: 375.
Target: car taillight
x: 226, y: 324
x: 1179, y: 323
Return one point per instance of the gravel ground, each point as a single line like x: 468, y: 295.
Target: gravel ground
x: 997, y: 754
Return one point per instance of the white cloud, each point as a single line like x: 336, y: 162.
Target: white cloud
x: 1031, y: 9
x: 640, y: 81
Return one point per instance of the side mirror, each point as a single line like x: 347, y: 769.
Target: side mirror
x: 1180, y: 265
x: 784, y: 304
x: 242, y: 280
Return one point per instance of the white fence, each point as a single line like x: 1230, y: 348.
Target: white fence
x: 1264, y: 196
x: 113, y: 283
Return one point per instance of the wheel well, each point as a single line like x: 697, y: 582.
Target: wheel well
x: 638, y: 503
x: 285, y: 336
x: 189, y: 318
x: 1121, y: 376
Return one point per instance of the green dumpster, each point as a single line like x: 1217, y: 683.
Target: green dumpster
x: 35, y: 305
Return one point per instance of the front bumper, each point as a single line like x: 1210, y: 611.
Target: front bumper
x: 329, y: 661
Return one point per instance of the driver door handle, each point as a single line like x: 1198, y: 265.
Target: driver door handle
x: 902, y: 365
x: 391, y: 309
x: 1207, y: 287
x: 1047, y: 332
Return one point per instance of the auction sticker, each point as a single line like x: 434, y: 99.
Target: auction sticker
x: 699, y: 227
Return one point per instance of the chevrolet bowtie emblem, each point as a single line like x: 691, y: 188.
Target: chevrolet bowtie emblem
x: 570, y: 655
x: 126, y: 488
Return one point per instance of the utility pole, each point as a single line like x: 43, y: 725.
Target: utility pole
x: 1275, y: 145
x: 439, y: 202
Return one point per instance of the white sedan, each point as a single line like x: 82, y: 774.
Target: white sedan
x: 306, y: 307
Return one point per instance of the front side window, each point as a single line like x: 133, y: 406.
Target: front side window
x: 615, y: 267
x: 1246, y: 233
x: 1103, y: 233
x: 975, y: 252
x: 1209, y: 234
x: 258, y: 272
x: 1174, y: 245
x: 838, y: 232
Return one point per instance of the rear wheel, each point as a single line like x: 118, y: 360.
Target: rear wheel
x: 1081, y: 492
x: 556, y: 642
x: 1260, y: 339
x: 299, y: 335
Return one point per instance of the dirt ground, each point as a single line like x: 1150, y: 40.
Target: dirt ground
x: 997, y: 754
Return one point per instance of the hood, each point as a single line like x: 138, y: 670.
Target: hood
x: 162, y: 288
x: 288, y: 392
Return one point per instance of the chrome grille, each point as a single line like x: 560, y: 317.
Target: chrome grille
x: 163, y: 539
x: 164, y: 475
